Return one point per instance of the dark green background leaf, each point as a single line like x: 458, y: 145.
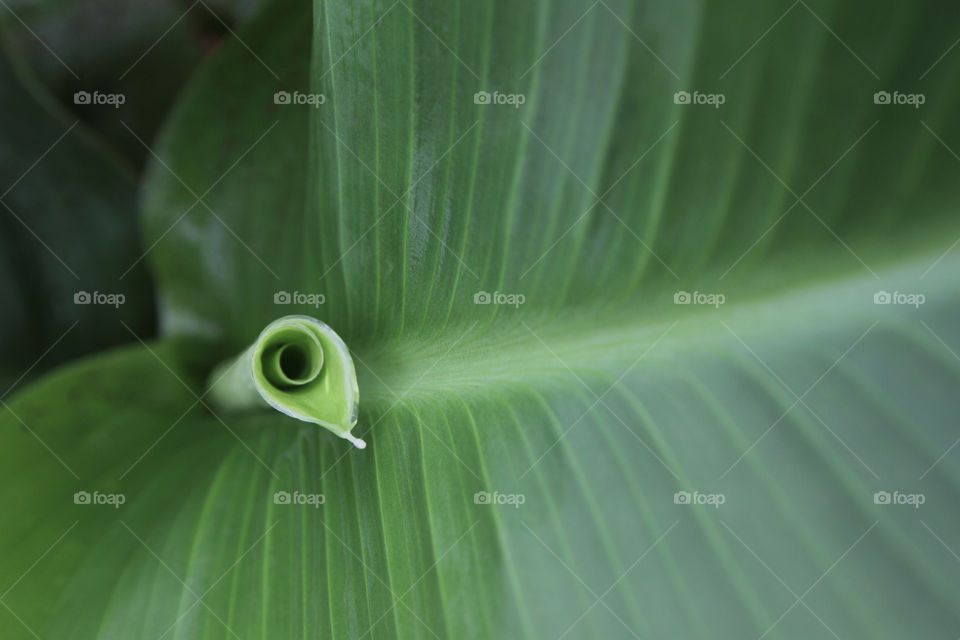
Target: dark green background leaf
x: 68, y: 219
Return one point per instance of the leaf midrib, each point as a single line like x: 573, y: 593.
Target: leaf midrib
x: 582, y: 343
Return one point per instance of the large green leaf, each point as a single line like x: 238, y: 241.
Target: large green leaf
x: 596, y: 400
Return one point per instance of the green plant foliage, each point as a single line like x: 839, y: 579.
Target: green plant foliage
x: 633, y: 362
x: 298, y: 366
x: 69, y: 226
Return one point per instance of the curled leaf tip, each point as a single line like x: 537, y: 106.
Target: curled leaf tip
x: 300, y: 367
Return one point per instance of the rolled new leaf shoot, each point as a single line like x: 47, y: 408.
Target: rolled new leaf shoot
x: 300, y: 367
